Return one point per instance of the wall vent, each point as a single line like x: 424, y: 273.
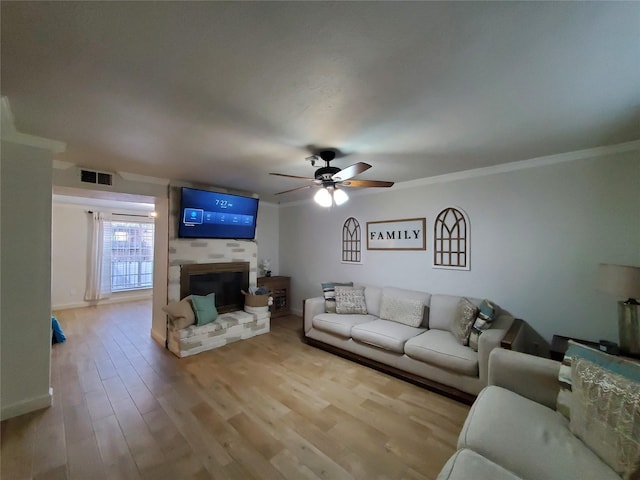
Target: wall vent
x: 100, y: 178
x: 105, y: 178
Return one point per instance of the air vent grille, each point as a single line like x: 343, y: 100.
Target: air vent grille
x: 100, y: 178
x: 88, y: 176
x: 105, y: 178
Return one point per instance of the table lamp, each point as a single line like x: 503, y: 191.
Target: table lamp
x: 623, y: 281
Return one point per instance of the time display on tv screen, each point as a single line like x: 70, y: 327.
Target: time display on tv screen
x: 205, y: 214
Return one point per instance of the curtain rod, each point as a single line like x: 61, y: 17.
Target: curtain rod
x: 124, y: 214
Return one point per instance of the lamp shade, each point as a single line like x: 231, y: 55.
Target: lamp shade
x: 621, y: 281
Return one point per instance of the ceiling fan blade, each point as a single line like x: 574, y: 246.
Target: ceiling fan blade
x: 294, y: 189
x: 350, y: 172
x: 293, y: 176
x: 366, y: 183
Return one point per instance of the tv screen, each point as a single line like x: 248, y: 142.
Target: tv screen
x: 206, y: 214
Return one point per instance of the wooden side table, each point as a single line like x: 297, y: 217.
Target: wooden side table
x: 279, y: 287
x: 559, y: 345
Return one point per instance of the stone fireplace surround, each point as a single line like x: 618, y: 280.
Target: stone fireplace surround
x: 184, y: 252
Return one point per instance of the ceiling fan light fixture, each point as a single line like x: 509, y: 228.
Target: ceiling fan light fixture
x: 340, y: 196
x: 323, y: 198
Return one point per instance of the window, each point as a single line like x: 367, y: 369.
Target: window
x: 351, y: 241
x: 131, y: 255
x: 451, y: 238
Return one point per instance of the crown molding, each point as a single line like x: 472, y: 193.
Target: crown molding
x: 11, y: 135
x: 62, y: 164
x: 523, y: 164
x: 496, y: 169
x: 134, y: 177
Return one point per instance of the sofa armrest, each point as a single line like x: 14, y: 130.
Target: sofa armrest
x: 491, y: 339
x: 310, y: 308
x: 514, y: 338
x: 532, y: 377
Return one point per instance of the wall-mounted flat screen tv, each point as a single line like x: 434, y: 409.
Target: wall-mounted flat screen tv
x: 205, y: 214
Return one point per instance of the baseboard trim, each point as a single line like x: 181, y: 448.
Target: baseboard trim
x: 26, y: 406
x: 158, y: 338
x: 106, y: 301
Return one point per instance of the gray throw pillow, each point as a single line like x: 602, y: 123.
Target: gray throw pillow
x: 466, y: 314
x: 350, y: 300
x: 328, y: 290
x: 406, y: 310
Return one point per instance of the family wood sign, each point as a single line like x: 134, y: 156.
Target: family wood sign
x: 405, y: 234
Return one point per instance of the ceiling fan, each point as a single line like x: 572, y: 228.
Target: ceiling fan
x: 329, y: 178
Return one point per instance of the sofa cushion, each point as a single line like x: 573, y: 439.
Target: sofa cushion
x: 442, y: 349
x: 350, y: 300
x: 339, y: 324
x: 466, y: 464
x: 373, y: 297
x: 466, y: 314
x: 385, y: 334
x: 329, y: 292
x: 529, y: 439
x: 405, y: 306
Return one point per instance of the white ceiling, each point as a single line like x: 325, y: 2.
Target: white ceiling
x: 224, y: 92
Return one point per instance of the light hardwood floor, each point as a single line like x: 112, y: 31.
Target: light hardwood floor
x: 269, y: 407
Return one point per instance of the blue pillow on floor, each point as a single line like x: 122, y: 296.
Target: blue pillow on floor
x: 57, y: 333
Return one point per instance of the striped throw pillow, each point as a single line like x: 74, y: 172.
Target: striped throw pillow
x: 329, y: 292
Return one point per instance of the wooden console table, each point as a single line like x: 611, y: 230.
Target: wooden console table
x: 279, y: 287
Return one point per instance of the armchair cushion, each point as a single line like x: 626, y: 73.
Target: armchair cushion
x: 528, y: 439
x: 466, y: 464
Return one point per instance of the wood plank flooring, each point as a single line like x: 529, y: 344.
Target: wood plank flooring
x: 269, y: 407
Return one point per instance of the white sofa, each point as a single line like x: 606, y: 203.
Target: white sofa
x: 429, y: 354
x: 513, y: 431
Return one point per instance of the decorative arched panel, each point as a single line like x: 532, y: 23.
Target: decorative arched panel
x: 451, y: 238
x: 351, y: 241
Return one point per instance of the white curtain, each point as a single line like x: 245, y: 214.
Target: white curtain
x: 99, y: 267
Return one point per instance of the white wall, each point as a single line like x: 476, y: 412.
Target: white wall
x: 537, y: 236
x: 268, y: 236
x: 25, y: 246
x: 70, y: 241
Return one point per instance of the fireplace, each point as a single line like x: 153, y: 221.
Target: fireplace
x: 226, y: 280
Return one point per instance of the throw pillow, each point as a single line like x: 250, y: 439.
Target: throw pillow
x: 486, y: 314
x: 204, y: 308
x: 605, y: 411
x: 350, y: 300
x: 463, y: 322
x: 180, y: 313
x: 328, y: 290
x: 409, y: 311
